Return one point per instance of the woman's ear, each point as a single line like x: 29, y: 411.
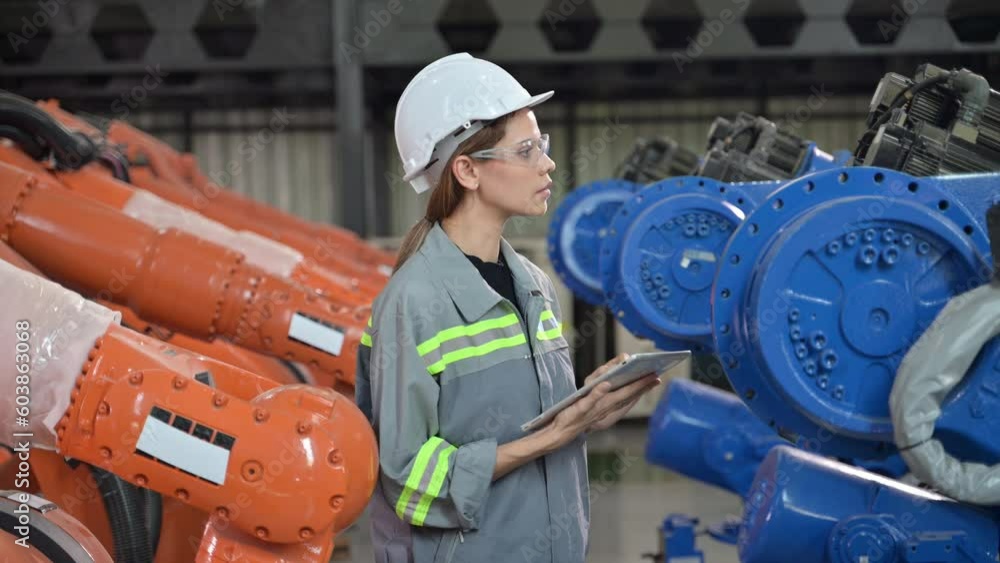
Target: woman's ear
x: 466, y: 172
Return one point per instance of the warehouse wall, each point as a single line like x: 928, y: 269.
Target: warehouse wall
x: 294, y: 166
x: 287, y: 159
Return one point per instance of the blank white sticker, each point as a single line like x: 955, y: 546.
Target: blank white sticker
x: 184, y: 451
x: 316, y: 334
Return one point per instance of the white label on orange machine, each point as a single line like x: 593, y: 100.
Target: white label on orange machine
x: 313, y: 333
x: 184, y: 451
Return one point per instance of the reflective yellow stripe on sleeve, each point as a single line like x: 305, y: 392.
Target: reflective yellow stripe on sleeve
x: 425, y: 481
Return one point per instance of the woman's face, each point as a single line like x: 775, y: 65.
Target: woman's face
x: 517, y: 182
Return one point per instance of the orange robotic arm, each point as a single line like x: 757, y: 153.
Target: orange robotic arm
x: 275, y: 258
x: 169, y: 164
x: 220, y: 439
x: 174, y: 177
x: 174, y: 279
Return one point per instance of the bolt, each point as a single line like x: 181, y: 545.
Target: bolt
x: 801, y: 350
x: 335, y: 457
x: 818, y: 340
x: 796, y: 332
x: 252, y: 471
x: 889, y: 236
x: 180, y: 382
x: 336, y: 502
x: 793, y: 315
x: 669, y: 224
x: 105, y: 453
x: 305, y: 533
x: 303, y: 427
x: 703, y: 230
x: 833, y: 248
x: 851, y: 239
x: 182, y: 494
x: 141, y: 480
x: 689, y: 230
x: 219, y: 400
x: 906, y: 239
x: 260, y: 415
x: 103, y: 408
x: 648, y: 285
x: 222, y: 512
x: 867, y: 254
x: 665, y: 291
x: 644, y: 265
x: 923, y: 248
x: 869, y: 235
x: 890, y: 255
x: 261, y: 532
x: 135, y: 378
x: 823, y: 381
x: 838, y: 392
x: 658, y: 280
x: 702, y: 218
x: 645, y: 274
x: 689, y: 217
x: 809, y: 366
x: 829, y: 359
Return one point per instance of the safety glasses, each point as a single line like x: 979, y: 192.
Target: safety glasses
x: 526, y: 153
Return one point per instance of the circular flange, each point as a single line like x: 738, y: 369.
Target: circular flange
x: 661, y: 253
x: 575, y: 233
x: 823, y: 289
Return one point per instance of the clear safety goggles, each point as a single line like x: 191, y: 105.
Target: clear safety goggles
x: 526, y: 153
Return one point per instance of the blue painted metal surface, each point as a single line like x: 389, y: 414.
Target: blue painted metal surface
x: 679, y: 540
x: 806, y: 509
x: 826, y: 285
x: 708, y: 435
x: 574, y: 237
x: 660, y: 255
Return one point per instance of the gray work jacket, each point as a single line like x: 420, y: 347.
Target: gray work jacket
x: 448, y: 370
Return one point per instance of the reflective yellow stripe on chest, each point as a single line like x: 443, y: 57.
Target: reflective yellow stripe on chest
x: 470, y: 341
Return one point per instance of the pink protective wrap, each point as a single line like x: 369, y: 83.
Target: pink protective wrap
x: 61, y: 329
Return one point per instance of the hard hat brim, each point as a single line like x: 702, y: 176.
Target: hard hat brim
x: 529, y: 103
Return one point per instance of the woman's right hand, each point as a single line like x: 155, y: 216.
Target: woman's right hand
x: 599, y: 403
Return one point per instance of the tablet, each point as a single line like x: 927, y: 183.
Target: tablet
x: 630, y: 370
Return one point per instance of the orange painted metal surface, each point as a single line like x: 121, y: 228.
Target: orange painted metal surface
x: 289, y: 442
x: 171, y: 278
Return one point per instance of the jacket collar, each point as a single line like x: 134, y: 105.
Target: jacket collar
x: 468, y: 290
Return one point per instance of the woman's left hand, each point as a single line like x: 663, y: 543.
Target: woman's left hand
x: 614, y: 416
x: 634, y: 391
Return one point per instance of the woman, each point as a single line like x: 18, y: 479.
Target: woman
x: 465, y: 343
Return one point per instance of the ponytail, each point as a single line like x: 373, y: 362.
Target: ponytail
x: 448, y: 192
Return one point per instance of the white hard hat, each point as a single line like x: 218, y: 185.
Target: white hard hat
x: 447, y: 102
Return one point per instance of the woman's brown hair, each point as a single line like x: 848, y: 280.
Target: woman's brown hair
x: 448, y: 192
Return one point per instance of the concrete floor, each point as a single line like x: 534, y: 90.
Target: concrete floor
x: 630, y: 507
